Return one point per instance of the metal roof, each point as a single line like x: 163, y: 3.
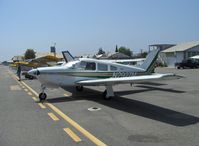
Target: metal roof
x: 182, y: 47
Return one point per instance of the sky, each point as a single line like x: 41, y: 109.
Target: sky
x: 84, y: 26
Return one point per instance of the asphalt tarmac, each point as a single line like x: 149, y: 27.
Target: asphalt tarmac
x: 164, y: 113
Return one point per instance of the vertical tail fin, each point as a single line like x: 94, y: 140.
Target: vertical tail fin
x: 149, y: 63
x: 67, y: 56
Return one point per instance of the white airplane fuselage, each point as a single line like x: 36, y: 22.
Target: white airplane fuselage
x: 68, y: 74
x: 93, y: 72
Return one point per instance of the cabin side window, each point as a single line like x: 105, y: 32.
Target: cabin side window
x: 87, y: 65
x: 102, y: 67
x: 113, y: 68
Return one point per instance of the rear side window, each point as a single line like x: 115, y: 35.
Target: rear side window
x: 102, y: 67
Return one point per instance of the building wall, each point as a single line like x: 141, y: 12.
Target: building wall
x: 170, y: 59
x: 173, y: 57
x: 179, y: 56
x: 192, y: 52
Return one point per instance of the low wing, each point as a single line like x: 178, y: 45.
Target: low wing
x: 44, y: 60
x: 134, y: 79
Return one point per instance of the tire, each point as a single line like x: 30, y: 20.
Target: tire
x: 104, y: 95
x: 79, y: 88
x: 42, y: 96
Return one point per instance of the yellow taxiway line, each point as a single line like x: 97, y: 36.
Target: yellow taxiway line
x: 34, y: 98
x: 42, y: 105
x: 29, y: 93
x: 55, y: 118
x: 65, y: 117
x: 72, y: 135
x: 76, y: 125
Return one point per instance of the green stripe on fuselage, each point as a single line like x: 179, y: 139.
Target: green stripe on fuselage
x: 152, y: 65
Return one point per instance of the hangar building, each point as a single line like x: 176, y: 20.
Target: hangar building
x: 180, y: 52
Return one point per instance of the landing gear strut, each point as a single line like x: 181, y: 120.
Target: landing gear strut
x: 42, y: 95
x: 108, y: 93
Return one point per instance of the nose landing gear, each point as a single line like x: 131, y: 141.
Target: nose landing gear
x: 42, y: 95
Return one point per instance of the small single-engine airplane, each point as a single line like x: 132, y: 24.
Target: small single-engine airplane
x: 42, y: 61
x: 93, y: 72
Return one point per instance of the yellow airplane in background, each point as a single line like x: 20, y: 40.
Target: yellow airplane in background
x: 44, y: 60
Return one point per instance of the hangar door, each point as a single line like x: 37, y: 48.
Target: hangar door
x: 171, y: 59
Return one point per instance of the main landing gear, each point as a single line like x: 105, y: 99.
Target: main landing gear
x: 108, y: 93
x: 42, y: 95
x: 79, y: 88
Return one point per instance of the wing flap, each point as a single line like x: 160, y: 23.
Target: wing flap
x: 133, y: 79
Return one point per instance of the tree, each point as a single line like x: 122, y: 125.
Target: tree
x: 125, y: 51
x: 116, y: 49
x: 29, y: 54
x: 100, y: 51
x: 144, y: 54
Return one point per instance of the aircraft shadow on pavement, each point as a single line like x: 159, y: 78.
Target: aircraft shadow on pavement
x: 160, y: 89
x: 135, y: 107
x: 60, y: 99
x: 147, y: 88
x: 151, y: 83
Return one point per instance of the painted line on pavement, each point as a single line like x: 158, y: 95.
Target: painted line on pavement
x: 42, y: 105
x: 15, y: 87
x: 33, y: 91
x: 76, y: 125
x: 53, y: 116
x: 72, y: 135
x: 67, y: 119
x: 29, y: 93
x: 34, y: 98
x: 66, y: 95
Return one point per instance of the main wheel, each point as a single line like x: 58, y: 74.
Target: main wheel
x: 104, y: 94
x: 42, y: 96
x: 79, y: 88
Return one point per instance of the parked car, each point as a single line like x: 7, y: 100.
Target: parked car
x: 187, y: 64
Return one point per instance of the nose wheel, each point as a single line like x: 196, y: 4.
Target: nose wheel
x: 42, y: 95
